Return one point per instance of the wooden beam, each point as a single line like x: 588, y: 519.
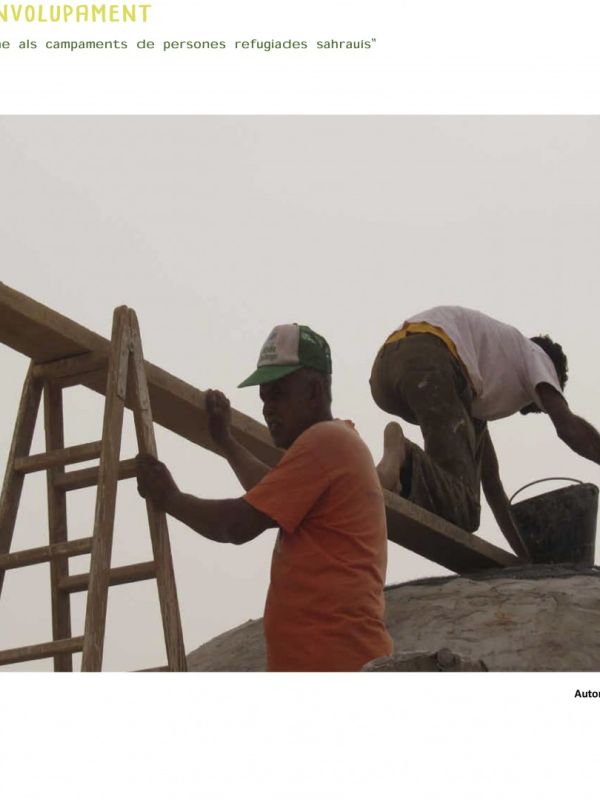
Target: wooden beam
x: 44, y: 335
x: 432, y: 537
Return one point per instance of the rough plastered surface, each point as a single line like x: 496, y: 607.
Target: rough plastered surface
x: 520, y: 619
x: 241, y: 649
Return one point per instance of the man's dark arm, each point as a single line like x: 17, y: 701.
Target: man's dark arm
x: 497, y: 499
x: 248, y: 469
x: 574, y: 431
x: 228, y: 521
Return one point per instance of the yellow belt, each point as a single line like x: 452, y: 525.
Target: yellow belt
x: 424, y: 327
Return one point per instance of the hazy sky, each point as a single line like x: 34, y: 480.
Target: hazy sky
x: 216, y: 228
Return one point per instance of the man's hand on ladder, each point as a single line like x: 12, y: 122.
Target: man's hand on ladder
x: 154, y: 481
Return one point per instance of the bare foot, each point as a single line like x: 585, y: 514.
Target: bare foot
x: 394, y: 454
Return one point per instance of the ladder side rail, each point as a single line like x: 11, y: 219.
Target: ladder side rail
x: 20, y: 447
x: 157, y: 520
x: 57, y: 524
x: 116, y: 389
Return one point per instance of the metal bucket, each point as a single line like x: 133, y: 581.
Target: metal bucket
x: 559, y: 526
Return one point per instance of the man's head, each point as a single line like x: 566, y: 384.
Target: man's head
x: 556, y: 354
x: 294, y: 375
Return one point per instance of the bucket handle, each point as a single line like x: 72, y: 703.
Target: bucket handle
x: 541, y: 480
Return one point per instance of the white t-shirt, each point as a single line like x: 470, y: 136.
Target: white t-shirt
x: 504, y: 366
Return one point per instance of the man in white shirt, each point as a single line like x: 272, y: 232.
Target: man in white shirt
x: 451, y: 370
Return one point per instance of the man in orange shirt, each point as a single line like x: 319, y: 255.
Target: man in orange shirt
x: 324, y: 608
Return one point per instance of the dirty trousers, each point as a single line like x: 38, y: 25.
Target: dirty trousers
x: 418, y: 379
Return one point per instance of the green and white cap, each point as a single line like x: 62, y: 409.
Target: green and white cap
x: 289, y: 348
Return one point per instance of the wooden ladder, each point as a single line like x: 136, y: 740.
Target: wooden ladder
x: 126, y: 380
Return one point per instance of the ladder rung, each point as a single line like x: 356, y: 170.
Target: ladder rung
x: 39, y: 555
x: 117, y: 576
x: 81, y: 478
x: 73, y: 368
x: 55, y: 458
x: 36, y: 651
x: 77, y: 380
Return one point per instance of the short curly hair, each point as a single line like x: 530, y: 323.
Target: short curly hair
x: 557, y: 357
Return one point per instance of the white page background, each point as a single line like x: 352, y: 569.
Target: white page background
x: 223, y: 736
x: 429, y: 57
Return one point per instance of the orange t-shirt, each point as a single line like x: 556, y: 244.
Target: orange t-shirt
x: 325, y: 605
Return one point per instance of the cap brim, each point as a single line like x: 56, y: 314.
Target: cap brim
x: 269, y: 374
